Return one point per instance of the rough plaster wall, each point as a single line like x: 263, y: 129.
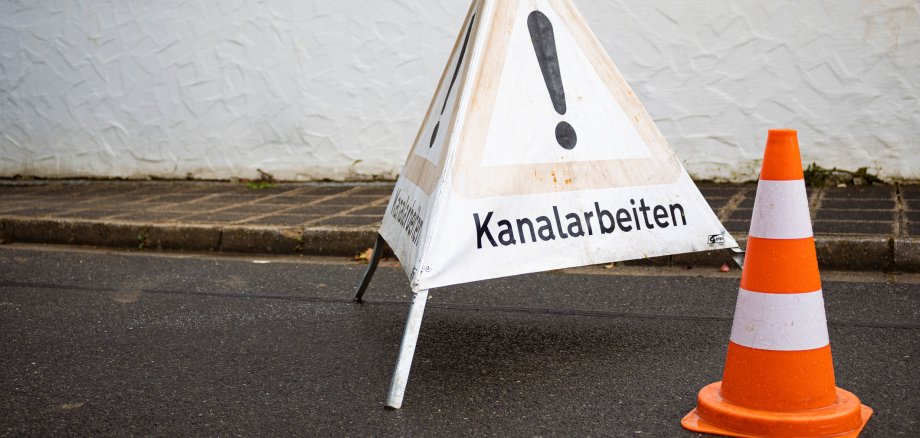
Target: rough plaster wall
x: 312, y: 89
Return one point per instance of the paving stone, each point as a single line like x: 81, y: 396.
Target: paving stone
x: 326, y: 191
x: 728, y: 190
x: 62, y: 191
x: 111, y: 190
x: 737, y: 226
x: 122, y: 199
x: 383, y: 190
x: 179, y: 198
x: 283, y: 220
x: 254, y: 209
x: 149, y: 216
x: 40, y: 211
x: 913, y: 229
x: 293, y: 186
x: 142, y: 207
x: 68, y: 201
x: 742, y: 214
x: 844, y: 227
x: 747, y: 202
x: 717, y: 202
x: 910, y: 192
x: 9, y: 207
x: 219, y: 188
x: 371, y: 211
x: 863, y: 192
x: 856, y: 215
x: 6, y: 198
x: 291, y: 200
x: 272, y: 188
x: 720, y: 193
x: 192, y: 207
x: 323, y: 210
x: 236, y: 198
x: 353, y: 201
x: 349, y: 221
x: 11, y: 191
x: 90, y: 214
x: 219, y: 217
x: 94, y: 202
x: 864, y: 204
x: 155, y: 189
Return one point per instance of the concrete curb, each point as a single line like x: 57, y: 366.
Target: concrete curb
x: 838, y: 252
x: 184, y: 237
x: 907, y: 254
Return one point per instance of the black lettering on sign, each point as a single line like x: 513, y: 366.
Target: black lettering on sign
x: 408, y: 215
x: 544, y: 45
x: 576, y: 224
x: 466, y: 41
x: 482, y: 229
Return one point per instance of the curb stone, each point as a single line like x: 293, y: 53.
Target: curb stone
x: 907, y: 254
x: 868, y: 252
x: 329, y: 241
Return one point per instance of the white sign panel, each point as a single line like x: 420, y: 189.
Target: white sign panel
x: 536, y: 155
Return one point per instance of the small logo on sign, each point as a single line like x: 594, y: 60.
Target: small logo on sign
x: 717, y: 239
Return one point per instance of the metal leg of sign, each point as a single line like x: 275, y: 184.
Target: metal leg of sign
x: 407, y: 350
x: 738, y: 256
x: 371, y: 267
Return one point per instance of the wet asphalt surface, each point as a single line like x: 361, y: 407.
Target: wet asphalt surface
x: 114, y: 343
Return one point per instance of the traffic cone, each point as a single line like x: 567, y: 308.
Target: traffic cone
x: 779, y: 375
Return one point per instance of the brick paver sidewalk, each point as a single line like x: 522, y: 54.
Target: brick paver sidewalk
x: 872, y: 227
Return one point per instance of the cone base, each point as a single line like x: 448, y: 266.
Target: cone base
x: 715, y: 415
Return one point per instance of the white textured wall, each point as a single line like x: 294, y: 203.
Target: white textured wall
x: 312, y: 89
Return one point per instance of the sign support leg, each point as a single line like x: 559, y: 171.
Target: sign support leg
x: 407, y: 350
x: 371, y: 267
x: 738, y: 256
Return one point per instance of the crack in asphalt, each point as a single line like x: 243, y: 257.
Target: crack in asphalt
x: 458, y: 307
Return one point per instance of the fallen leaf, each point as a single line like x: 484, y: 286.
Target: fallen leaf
x: 127, y: 296
x: 71, y: 406
x: 365, y: 256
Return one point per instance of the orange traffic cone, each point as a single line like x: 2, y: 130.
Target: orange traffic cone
x: 779, y: 375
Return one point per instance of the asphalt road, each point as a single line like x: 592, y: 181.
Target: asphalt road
x: 117, y: 343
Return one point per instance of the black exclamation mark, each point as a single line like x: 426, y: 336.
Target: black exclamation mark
x: 466, y: 40
x: 544, y: 44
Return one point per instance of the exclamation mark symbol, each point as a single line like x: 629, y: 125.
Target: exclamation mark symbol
x: 466, y: 41
x: 544, y: 44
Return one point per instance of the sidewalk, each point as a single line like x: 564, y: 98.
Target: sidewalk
x: 858, y: 228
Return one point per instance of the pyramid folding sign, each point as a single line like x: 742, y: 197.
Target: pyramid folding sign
x: 535, y: 155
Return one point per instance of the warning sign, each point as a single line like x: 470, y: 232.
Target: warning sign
x: 535, y: 155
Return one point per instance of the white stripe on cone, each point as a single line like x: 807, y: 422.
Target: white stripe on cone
x: 780, y: 322
x: 781, y: 210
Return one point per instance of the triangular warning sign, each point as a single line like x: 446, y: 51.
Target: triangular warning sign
x: 536, y: 155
